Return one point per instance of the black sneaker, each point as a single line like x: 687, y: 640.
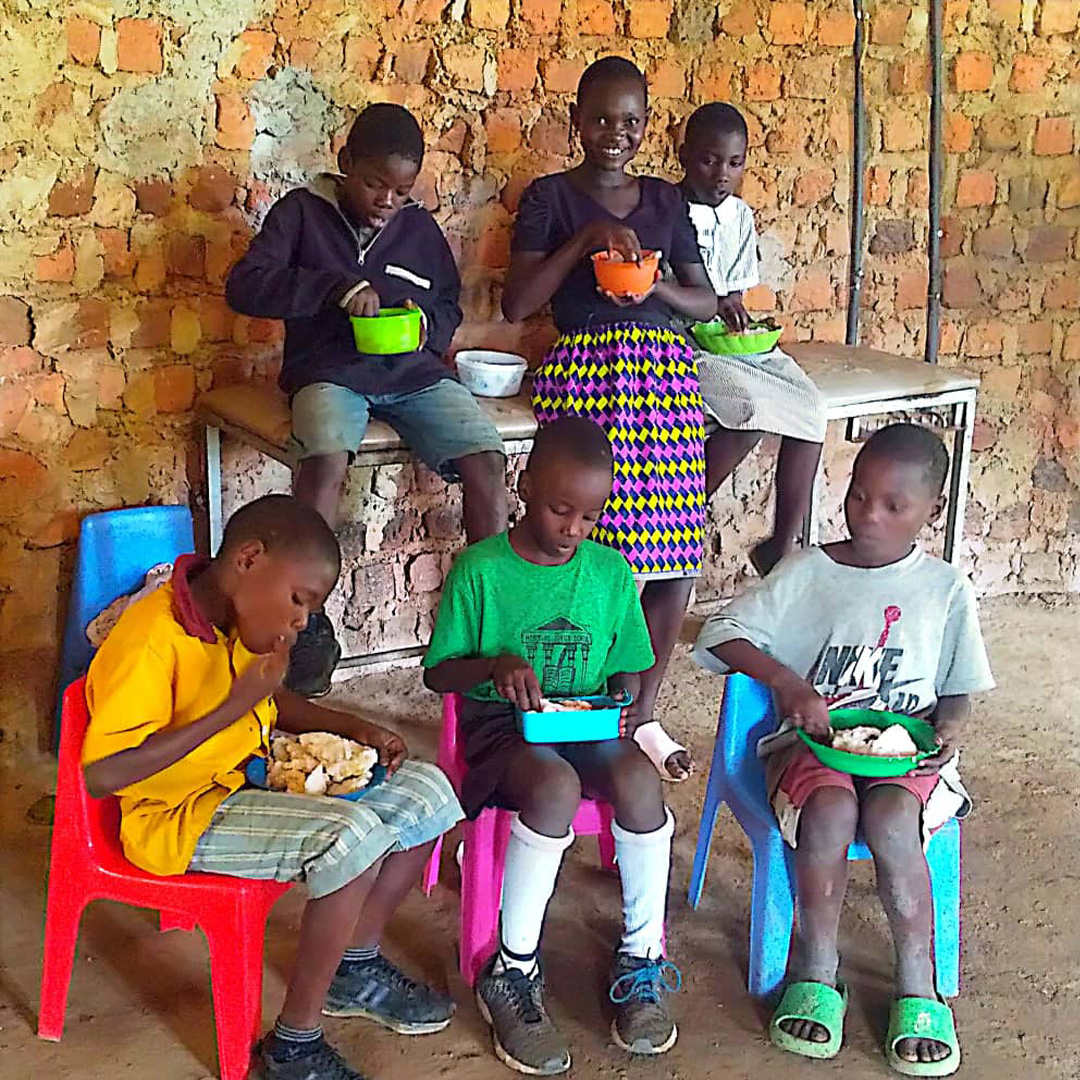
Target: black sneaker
x: 379, y: 991
x: 278, y: 1060
x: 313, y: 658
x: 642, y: 1023
x: 512, y: 1003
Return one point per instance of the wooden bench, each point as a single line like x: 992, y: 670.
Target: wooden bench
x: 856, y: 382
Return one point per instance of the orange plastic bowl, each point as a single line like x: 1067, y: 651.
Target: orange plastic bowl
x: 625, y: 278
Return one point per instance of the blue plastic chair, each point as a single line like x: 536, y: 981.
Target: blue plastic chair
x: 116, y: 548
x: 737, y: 777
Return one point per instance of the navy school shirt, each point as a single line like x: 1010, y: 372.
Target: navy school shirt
x: 308, y: 254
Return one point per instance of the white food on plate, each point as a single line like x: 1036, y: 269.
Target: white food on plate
x: 893, y: 741
x: 319, y: 763
x: 551, y: 705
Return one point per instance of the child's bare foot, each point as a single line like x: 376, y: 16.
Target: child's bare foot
x: 679, y: 765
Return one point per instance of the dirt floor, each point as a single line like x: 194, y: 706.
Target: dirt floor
x: 140, y: 1004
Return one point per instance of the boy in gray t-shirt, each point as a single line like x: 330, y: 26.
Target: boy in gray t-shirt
x: 877, y: 614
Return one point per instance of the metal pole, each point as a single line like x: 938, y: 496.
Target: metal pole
x: 933, y: 247
x: 855, y: 262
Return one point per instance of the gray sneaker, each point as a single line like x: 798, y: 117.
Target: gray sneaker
x: 380, y: 991
x: 642, y: 1023
x: 525, y: 1038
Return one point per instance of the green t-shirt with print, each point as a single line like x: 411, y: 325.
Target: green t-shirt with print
x: 576, y: 624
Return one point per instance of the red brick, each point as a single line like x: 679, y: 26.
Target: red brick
x: 1006, y: 11
x: 14, y: 401
x: 759, y: 298
x: 465, y: 66
x: 87, y: 449
x: 154, y: 326
x: 73, y: 197
x: 959, y: 133
x: 452, y: 140
x: 956, y: 12
x: 1068, y: 192
x: 787, y: 23
x: 1048, y: 243
x: 187, y: 256
x: 953, y: 235
x: 762, y: 82
x: 1029, y: 73
x: 215, y: 318
x: 650, y: 18
x: 174, y: 388
x: 19, y: 360
x: 976, y: 187
x: 517, y: 69
x: 503, y: 128
x: 1071, y: 348
x: 836, y: 28
x: 212, y: 189
x: 712, y: 82
x: 93, y: 325
x: 119, y: 259
x: 362, y: 54
x: 14, y: 322
x: 412, y: 61
x: 489, y: 14
x: 1059, y: 16
x: 995, y: 242
x: 1062, y: 291
x: 153, y: 197
x: 424, y: 11
x: 596, y: 17
x: 814, y: 186
x: 918, y: 189
x: 235, y: 124
x: 999, y: 132
x: 813, y: 291
x: 985, y: 339
x: 788, y: 135
x: 1054, y: 136
x: 48, y: 390
x: 911, y: 290
x: 909, y: 75
x: 550, y: 135
x: 258, y: 51
x: 561, y: 75
x: 1036, y: 337
x: 972, y: 72
x: 59, y: 266
x: 83, y: 40
x: 903, y: 130
x: 878, y: 185
x: 888, y: 25
x: 740, y: 22
x: 667, y: 80
x: 961, y: 288
x: 138, y: 46
x: 542, y: 16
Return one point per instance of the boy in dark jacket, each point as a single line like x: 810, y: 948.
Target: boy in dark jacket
x: 349, y: 245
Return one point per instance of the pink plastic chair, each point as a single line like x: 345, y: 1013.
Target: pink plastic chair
x: 87, y: 864
x: 485, y: 852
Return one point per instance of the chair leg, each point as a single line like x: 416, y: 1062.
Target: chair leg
x: 235, y: 935
x: 944, y: 861
x: 481, y: 890
x: 61, y: 935
x: 714, y: 796
x: 431, y: 868
x: 772, y: 913
x: 604, y: 839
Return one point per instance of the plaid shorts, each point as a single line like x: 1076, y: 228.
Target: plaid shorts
x: 322, y: 841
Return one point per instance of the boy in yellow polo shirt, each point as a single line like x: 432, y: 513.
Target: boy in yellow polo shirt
x: 183, y: 692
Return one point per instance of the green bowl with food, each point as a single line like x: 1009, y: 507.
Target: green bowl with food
x: 393, y: 330
x: 717, y: 337
x: 870, y: 742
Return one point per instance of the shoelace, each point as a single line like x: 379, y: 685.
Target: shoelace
x: 647, y: 984
x: 519, y: 991
x: 387, y: 972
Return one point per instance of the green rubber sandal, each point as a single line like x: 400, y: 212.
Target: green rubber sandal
x: 922, y: 1018
x: 817, y: 1003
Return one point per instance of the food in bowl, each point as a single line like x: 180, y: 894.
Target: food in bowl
x: 623, y: 278
x: 550, y: 705
x: 319, y: 763
x: 488, y: 373
x: 392, y: 331
x: 893, y: 741
x: 716, y: 337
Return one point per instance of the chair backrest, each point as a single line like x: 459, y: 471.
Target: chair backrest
x: 91, y: 825
x: 746, y: 715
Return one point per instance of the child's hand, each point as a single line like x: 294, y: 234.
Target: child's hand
x: 611, y: 236
x: 412, y: 305
x: 631, y: 298
x: 948, y: 739
x: 804, y: 707
x: 516, y: 681
x: 730, y: 309
x: 391, y: 747
x: 260, y: 678
x: 363, y: 304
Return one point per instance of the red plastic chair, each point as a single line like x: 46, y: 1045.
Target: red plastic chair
x: 87, y: 864
x: 485, y: 853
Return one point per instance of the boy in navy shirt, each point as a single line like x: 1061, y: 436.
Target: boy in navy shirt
x: 345, y: 246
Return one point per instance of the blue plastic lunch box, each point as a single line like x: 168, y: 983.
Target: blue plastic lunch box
x: 575, y: 725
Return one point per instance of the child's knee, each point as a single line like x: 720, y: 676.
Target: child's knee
x: 483, y: 473
x: 553, y: 798
x: 637, y: 792
x: 891, y: 823
x: 828, y: 821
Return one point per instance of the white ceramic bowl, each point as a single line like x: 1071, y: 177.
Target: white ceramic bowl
x: 490, y: 374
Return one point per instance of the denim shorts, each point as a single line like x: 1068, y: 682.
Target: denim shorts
x: 440, y: 423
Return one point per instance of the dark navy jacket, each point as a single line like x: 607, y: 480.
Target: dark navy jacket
x: 308, y: 255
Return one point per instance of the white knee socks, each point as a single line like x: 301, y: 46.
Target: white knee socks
x: 532, y: 865
x: 644, y: 863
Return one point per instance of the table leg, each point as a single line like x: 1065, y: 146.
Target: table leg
x: 213, y: 486
x: 964, y: 423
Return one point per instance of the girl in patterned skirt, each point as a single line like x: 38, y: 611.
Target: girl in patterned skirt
x: 620, y: 360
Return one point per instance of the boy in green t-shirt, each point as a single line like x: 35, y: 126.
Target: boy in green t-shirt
x: 542, y: 611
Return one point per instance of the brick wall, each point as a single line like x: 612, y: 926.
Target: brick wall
x: 138, y: 147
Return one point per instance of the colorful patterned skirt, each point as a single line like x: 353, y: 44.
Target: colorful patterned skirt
x: 640, y: 384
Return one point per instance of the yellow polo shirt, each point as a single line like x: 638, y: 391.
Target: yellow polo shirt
x: 164, y: 666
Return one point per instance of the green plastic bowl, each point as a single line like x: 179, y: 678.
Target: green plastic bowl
x: 715, y: 337
x: 922, y: 734
x: 393, y: 330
